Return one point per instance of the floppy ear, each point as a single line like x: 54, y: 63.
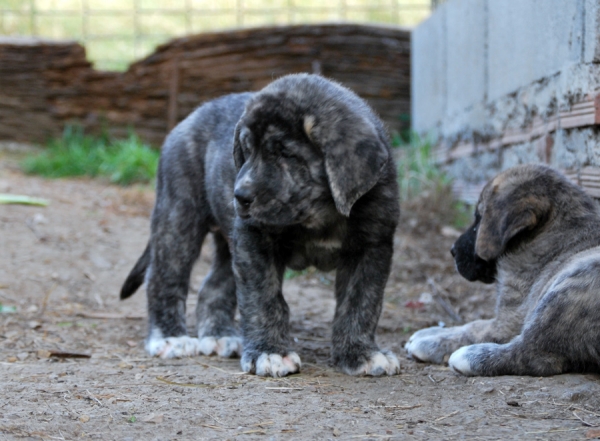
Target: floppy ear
x: 355, y: 156
x: 498, y: 226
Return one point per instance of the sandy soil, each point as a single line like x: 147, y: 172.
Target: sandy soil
x: 73, y: 366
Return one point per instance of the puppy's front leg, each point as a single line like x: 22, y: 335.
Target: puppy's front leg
x: 263, y: 310
x: 360, y: 282
x: 434, y: 345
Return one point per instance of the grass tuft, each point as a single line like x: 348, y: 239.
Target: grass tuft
x: 123, y: 161
x: 417, y: 171
x: 424, y: 185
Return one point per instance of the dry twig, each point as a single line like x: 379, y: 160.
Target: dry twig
x: 584, y: 422
x: 447, y: 416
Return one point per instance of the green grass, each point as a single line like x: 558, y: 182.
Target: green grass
x: 420, y: 177
x: 120, y: 161
x: 6, y: 309
x: 417, y: 171
x: 292, y: 274
x: 462, y: 214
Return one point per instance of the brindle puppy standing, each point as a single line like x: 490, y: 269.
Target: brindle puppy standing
x: 297, y: 174
x: 538, y: 236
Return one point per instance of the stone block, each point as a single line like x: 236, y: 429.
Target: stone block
x: 531, y: 40
x: 466, y: 54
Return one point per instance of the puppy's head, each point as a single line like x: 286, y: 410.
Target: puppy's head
x: 514, y: 208
x: 306, y: 150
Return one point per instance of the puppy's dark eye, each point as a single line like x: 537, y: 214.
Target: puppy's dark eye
x: 246, y: 141
x: 246, y: 147
x: 286, y: 154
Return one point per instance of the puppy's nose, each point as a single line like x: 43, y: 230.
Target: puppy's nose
x: 243, y: 196
x: 452, y: 251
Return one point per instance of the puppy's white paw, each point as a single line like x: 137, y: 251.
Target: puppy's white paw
x: 421, y: 350
x: 426, y: 345
x: 273, y: 365
x: 223, y: 347
x: 382, y: 362
x: 173, y: 347
x: 459, y: 362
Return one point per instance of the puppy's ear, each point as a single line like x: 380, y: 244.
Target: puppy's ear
x: 504, y: 220
x: 355, y: 155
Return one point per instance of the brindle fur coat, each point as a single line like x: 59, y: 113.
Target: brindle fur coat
x: 297, y: 174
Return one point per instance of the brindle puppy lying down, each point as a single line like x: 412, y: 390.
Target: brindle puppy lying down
x: 295, y: 175
x: 537, y: 236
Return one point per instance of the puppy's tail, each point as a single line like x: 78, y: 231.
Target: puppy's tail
x: 136, y: 276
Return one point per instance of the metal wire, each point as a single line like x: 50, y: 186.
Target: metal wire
x: 117, y: 49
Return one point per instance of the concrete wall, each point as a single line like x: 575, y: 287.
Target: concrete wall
x: 499, y: 82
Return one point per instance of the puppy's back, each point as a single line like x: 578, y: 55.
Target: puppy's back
x: 182, y: 169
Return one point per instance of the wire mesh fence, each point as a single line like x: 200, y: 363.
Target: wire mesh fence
x: 117, y: 32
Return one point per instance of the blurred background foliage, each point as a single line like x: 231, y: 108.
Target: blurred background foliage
x: 76, y: 154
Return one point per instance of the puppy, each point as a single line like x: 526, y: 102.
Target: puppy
x: 297, y: 174
x: 537, y: 236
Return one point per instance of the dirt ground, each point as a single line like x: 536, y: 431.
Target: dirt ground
x: 72, y: 363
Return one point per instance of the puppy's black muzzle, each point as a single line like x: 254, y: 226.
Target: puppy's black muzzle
x: 469, y: 264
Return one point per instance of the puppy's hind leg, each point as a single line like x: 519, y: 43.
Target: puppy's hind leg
x: 177, y: 234
x: 216, y: 306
